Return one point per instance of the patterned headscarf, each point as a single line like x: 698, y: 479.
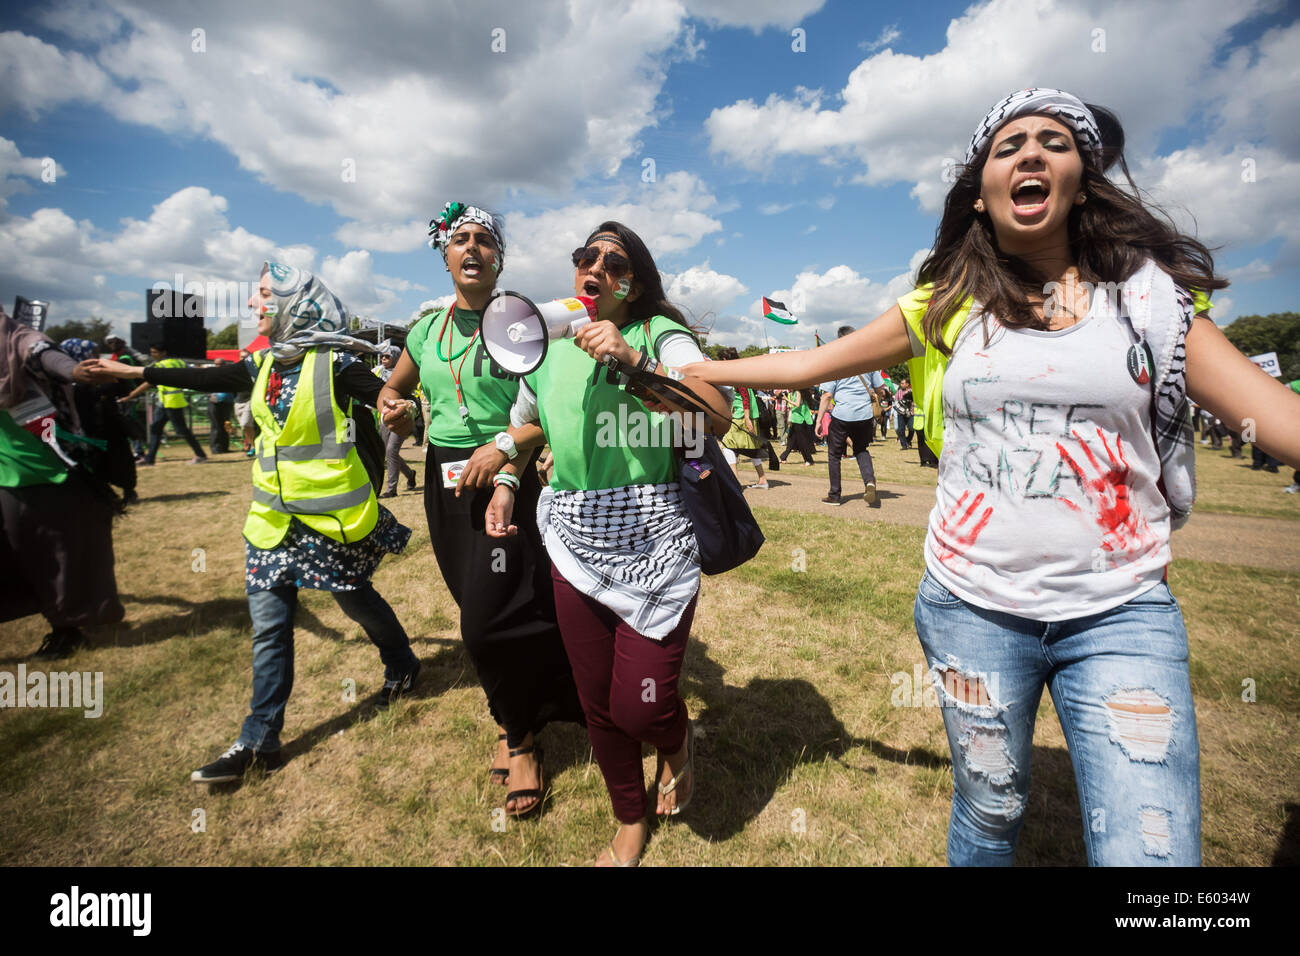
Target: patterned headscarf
x: 456, y: 214
x: 79, y: 349
x: 307, y: 315
x: 1054, y: 103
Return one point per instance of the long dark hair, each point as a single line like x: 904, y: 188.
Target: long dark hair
x: 653, y: 300
x: 1111, y: 235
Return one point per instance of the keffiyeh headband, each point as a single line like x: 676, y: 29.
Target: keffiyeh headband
x: 307, y: 315
x: 1055, y: 103
x: 456, y: 214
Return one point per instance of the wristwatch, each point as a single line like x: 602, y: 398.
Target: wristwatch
x: 507, y: 445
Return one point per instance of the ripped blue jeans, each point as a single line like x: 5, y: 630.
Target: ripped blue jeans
x: 1120, y: 684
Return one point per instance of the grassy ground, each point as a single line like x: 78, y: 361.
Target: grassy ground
x: 803, y: 757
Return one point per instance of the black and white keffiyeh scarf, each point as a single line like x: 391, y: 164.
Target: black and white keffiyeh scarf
x: 632, y: 549
x: 1058, y: 104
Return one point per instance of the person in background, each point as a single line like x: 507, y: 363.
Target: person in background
x: 904, y: 413
x: 394, y: 463
x: 132, y: 418
x: 244, y: 414
x: 801, y: 437
x: 221, y: 405
x: 742, y: 439
x: 56, y: 537
x: 172, y: 404
x: 852, y: 419
x: 107, y: 452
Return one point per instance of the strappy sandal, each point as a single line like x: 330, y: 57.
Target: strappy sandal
x: 615, y: 861
x: 500, y: 775
x: 537, y: 791
x: 688, y: 767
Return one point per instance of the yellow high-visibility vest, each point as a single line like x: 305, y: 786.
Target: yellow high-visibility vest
x: 170, y: 395
x: 309, y: 469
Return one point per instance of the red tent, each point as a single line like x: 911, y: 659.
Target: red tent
x: 232, y: 355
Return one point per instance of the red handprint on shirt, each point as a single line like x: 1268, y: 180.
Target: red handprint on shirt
x: 1124, y: 529
x: 956, y: 532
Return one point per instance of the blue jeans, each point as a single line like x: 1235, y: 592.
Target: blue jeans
x: 272, y: 611
x: 1120, y: 684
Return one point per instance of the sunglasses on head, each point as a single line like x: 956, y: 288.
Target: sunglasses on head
x: 616, y: 264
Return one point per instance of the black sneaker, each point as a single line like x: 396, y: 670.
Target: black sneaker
x: 397, y: 687
x: 235, y: 762
x: 832, y: 500
x: 60, y: 642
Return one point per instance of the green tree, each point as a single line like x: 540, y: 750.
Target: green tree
x: 94, y: 328
x: 227, y: 338
x: 1277, y: 332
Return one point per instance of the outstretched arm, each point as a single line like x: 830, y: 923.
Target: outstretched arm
x: 879, y: 344
x: 1234, y: 389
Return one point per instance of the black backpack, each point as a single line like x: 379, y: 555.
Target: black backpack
x: 725, y: 529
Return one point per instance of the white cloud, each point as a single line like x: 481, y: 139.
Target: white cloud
x: 886, y: 36
x: 898, y: 117
x: 775, y: 208
x: 671, y: 215
x: 51, y: 256
x: 1238, y: 195
x: 755, y: 14
x: 35, y: 75
x: 411, y: 97
x: 822, y: 301
x: 704, y: 292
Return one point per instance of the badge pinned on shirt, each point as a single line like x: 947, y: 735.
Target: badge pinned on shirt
x: 1140, y: 362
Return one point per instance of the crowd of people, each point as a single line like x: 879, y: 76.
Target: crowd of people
x: 1059, y: 428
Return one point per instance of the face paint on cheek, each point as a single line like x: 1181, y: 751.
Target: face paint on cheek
x: 270, y: 309
x: 496, y: 268
x: 623, y: 288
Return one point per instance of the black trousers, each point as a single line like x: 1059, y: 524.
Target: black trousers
x: 801, y: 440
x: 928, y: 457
x: 218, y: 438
x: 177, y: 417
x: 507, y: 602
x: 861, y: 434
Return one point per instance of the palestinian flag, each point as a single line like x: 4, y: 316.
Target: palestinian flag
x: 777, y: 312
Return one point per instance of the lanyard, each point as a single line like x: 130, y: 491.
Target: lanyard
x: 462, y: 355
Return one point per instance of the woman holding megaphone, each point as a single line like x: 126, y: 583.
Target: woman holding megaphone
x: 624, y: 559
x: 502, y: 587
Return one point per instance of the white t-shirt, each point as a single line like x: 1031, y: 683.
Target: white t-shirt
x: 1048, y: 500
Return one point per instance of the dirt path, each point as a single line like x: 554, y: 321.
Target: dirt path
x: 1224, y: 538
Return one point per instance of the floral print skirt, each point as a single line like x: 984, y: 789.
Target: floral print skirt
x: 309, y: 559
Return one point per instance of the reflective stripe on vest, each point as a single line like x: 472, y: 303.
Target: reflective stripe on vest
x: 322, y: 483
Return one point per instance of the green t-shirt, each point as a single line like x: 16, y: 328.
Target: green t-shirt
x: 738, y: 404
x: 801, y: 415
x: 25, y: 459
x: 488, y: 389
x: 600, y: 436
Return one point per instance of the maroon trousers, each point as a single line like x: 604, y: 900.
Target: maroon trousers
x: 628, y: 687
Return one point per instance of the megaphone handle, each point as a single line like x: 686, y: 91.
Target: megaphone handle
x: 577, y: 324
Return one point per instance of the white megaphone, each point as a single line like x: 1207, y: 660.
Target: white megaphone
x: 516, y: 331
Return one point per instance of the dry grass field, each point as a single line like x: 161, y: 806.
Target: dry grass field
x: 803, y: 758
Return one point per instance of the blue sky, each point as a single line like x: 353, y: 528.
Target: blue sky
x: 197, y: 141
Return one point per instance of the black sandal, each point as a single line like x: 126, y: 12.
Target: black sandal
x: 498, y: 774
x: 537, y: 791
